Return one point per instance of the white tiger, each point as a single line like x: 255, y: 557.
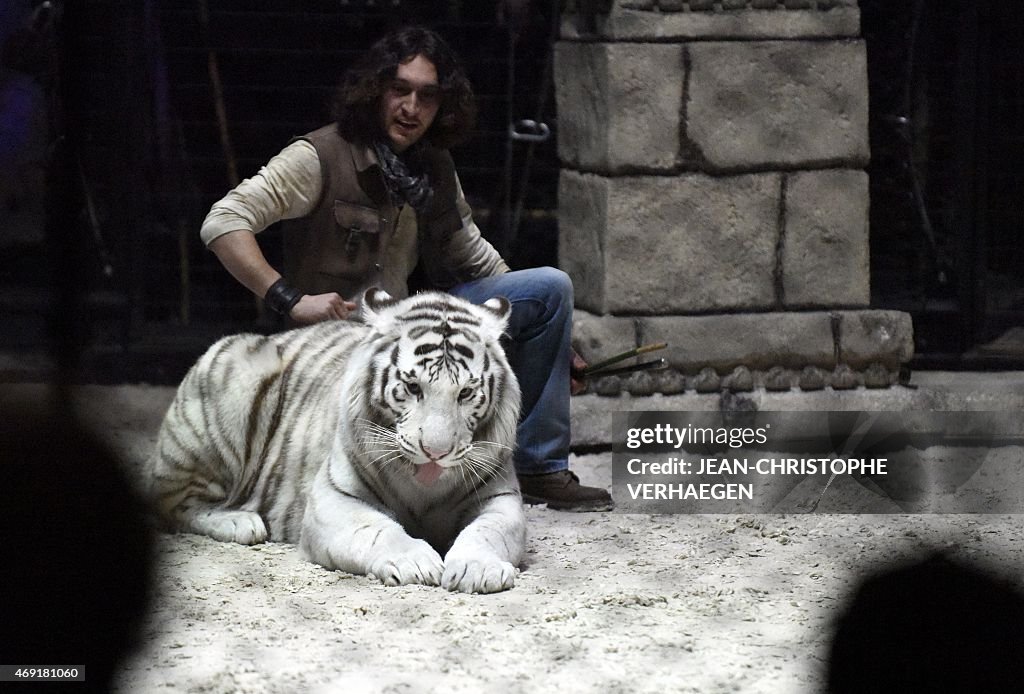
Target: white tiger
x: 377, y: 446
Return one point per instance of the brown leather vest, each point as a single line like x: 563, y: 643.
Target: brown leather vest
x: 348, y: 242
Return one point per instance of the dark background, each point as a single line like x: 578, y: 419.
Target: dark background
x: 947, y: 144
x: 137, y: 153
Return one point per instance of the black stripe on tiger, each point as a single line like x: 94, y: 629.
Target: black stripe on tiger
x: 206, y: 403
x: 437, y: 314
x: 275, y: 418
x: 378, y: 379
x: 215, y: 458
x: 445, y: 330
x: 432, y: 304
x: 200, y: 463
x: 462, y: 349
x: 336, y: 486
x: 371, y: 484
x: 273, y: 469
x: 254, y: 413
x: 293, y: 453
x: 181, y: 415
x: 309, y: 388
x: 446, y: 363
x: 464, y: 319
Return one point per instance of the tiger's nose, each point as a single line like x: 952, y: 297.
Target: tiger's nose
x: 433, y: 452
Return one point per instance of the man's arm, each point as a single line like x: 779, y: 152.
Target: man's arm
x: 287, y: 187
x: 239, y: 252
x: 469, y: 251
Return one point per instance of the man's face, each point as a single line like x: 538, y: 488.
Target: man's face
x: 409, y: 104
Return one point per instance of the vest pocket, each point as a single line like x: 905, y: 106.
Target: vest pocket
x: 353, y: 244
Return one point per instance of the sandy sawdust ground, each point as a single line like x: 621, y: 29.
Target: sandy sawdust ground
x: 605, y: 602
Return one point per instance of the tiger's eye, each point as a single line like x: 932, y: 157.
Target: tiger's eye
x: 465, y: 393
x: 414, y: 388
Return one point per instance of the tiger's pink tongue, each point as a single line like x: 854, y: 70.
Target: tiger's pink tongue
x: 427, y: 473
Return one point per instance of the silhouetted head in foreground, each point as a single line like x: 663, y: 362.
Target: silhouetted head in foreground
x: 935, y: 626
x: 76, y: 572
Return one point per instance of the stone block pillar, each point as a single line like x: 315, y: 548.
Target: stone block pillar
x: 713, y: 193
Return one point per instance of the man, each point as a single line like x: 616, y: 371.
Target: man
x: 373, y: 198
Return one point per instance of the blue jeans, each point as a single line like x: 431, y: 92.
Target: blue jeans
x: 541, y: 329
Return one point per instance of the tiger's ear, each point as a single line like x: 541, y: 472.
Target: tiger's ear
x: 376, y: 300
x: 500, y: 309
x: 499, y: 306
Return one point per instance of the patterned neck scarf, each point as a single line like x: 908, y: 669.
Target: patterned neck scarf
x: 403, y: 185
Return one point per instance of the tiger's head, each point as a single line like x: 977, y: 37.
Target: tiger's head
x: 438, y: 398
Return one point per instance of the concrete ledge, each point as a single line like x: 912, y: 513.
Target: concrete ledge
x: 874, y: 336
x: 858, y: 340
x: 755, y: 340
x: 628, y: 22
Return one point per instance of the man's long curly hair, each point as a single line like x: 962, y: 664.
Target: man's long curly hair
x: 356, y: 106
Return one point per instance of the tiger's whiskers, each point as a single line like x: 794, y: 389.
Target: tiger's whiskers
x: 482, y: 464
x: 379, y: 439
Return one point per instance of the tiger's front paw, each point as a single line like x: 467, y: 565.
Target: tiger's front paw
x: 416, y: 563
x: 477, y: 575
x: 243, y: 527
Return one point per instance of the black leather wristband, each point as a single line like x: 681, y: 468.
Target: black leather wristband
x: 282, y: 297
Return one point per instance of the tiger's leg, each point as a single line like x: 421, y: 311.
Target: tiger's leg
x: 484, y: 555
x: 190, y: 503
x: 198, y: 463
x: 243, y: 527
x: 190, y: 499
x: 341, y: 531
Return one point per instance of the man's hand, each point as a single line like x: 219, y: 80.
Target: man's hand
x: 577, y: 382
x: 313, y: 308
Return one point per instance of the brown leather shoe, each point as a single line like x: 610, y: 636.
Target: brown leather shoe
x: 562, y: 491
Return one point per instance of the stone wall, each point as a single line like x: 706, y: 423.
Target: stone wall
x: 713, y: 193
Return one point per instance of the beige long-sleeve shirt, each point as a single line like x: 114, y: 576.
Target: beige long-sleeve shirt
x: 289, y: 186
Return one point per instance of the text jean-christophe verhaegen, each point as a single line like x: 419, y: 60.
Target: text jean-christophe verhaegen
x: 680, y: 467
x: 711, y: 462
